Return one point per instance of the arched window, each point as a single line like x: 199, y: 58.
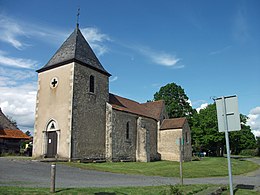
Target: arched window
x: 52, y: 125
x: 91, y: 84
x: 127, y: 130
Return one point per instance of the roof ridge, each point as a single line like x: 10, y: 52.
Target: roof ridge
x: 126, y: 98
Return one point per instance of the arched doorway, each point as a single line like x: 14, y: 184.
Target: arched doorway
x: 52, y: 139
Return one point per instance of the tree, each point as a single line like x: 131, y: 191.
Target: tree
x: 258, y: 145
x: 243, y: 139
x: 28, y: 133
x: 176, y: 101
x: 206, y: 137
x: 13, y: 121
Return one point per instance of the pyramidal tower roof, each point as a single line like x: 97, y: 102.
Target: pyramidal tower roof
x: 75, y: 49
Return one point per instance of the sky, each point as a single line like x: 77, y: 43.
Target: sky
x: 209, y: 48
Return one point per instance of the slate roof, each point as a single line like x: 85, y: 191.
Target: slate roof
x: 174, y: 123
x: 5, y: 123
x: 14, y: 134
x: 75, y: 49
x: 150, y: 110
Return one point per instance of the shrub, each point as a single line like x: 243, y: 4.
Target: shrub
x: 248, y: 152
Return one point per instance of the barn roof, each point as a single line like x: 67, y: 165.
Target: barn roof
x: 174, y: 123
x: 150, y: 110
x: 5, y: 123
x: 75, y: 49
x: 14, y: 134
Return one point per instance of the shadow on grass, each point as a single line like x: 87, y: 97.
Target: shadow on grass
x: 96, y: 193
x: 63, y: 190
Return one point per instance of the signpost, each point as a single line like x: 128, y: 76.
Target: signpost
x: 180, y: 142
x: 180, y: 148
x: 228, y: 120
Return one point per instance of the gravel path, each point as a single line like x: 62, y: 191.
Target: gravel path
x: 15, y: 172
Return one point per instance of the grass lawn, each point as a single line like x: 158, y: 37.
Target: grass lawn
x: 149, y: 190
x: 186, y: 189
x: 207, y: 167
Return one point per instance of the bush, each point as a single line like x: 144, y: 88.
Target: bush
x: 196, y: 158
x: 248, y: 152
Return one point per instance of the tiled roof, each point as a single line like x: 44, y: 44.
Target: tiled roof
x: 14, y: 134
x: 75, y: 49
x: 174, y: 123
x: 155, y: 108
x: 5, y: 123
x: 150, y: 110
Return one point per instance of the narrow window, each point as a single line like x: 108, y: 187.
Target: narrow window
x: 186, y: 137
x: 91, y: 84
x: 127, y: 130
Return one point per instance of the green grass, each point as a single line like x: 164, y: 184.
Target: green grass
x: 194, y: 169
x: 151, y: 190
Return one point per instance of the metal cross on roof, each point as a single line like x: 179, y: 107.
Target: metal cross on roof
x: 78, y: 17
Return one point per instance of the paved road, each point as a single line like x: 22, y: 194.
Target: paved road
x: 37, y: 174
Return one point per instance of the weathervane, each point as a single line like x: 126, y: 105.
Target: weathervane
x: 78, y: 17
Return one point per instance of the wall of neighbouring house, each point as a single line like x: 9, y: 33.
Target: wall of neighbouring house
x: 168, y: 144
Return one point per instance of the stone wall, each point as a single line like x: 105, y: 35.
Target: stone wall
x: 150, y: 125
x: 141, y: 142
x: 187, y: 148
x: 123, y: 148
x: 168, y: 143
x: 168, y: 148
x: 89, y: 114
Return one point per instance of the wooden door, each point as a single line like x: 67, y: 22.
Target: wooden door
x: 51, y: 144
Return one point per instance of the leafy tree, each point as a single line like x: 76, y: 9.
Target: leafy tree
x: 176, y: 101
x: 206, y: 137
x: 258, y: 145
x: 243, y: 139
x: 28, y: 133
x: 13, y: 121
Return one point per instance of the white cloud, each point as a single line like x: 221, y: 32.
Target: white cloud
x: 189, y: 101
x: 16, y: 33
x: 19, y: 103
x: 10, y: 31
x: 219, y: 51
x: 96, y: 39
x: 159, y: 57
x: 254, y: 120
x: 113, y: 79
x: 17, y: 74
x: 16, y: 62
x: 202, y: 106
x: 240, y: 25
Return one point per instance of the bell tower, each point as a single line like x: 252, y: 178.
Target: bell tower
x: 73, y: 89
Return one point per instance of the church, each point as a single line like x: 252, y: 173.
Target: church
x: 77, y: 118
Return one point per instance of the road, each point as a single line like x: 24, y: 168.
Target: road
x: 17, y: 172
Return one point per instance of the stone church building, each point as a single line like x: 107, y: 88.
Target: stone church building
x: 77, y: 118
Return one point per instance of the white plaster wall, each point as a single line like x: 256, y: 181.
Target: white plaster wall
x: 54, y: 104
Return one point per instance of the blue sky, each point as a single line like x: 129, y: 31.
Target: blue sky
x: 210, y: 48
